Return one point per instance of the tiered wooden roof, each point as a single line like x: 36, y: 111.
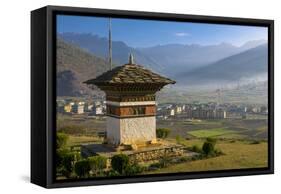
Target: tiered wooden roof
x: 129, y: 74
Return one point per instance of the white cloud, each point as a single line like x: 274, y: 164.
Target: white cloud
x: 181, y: 34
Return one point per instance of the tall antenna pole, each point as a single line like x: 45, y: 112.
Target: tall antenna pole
x: 110, y: 45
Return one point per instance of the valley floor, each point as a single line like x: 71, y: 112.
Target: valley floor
x: 243, y: 142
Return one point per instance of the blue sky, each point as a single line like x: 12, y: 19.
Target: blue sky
x: 145, y: 33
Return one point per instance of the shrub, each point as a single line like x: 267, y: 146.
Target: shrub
x: 120, y: 163
x: 82, y: 168
x: 211, y: 140
x: 196, y: 148
x: 133, y: 169
x: 77, y: 155
x: 165, y: 161
x: 208, y: 148
x: 65, y: 161
x: 60, y: 154
x: 255, y: 142
x: 61, y: 140
x: 179, y: 139
x: 97, y: 163
x: 162, y: 132
x: 68, y: 164
x: 111, y: 173
x: 183, y: 159
x: 155, y: 166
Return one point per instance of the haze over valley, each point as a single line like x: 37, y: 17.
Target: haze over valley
x: 81, y: 56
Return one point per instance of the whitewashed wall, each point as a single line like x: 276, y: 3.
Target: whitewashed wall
x: 131, y: 130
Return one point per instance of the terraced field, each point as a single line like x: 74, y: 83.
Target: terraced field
x: 227, y: 128
x: 210, y: 132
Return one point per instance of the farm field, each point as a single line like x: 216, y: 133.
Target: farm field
x: 227, y: 128
x: 237, y: 155
x: 210, y: 132
x: 75, y: 140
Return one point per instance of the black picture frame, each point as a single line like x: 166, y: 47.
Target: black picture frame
x: 43, y: 95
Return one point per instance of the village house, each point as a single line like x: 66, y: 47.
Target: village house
x: 178, y: 109
x: 78, y: 108
x: 98, y: 110
x: 67, y: 108
x: 205, y: 113
x: 171, y: 112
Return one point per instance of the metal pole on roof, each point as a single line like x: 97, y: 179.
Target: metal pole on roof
x: 131, y: 59
x: 110, y: 44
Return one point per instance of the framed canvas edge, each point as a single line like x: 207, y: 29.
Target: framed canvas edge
x: 50, y: 87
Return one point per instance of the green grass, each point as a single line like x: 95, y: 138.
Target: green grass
x: 210, y: 132
x: 226, y: 128
x: 79, y: 140
x: 237, y: 155
x: 233, y: 136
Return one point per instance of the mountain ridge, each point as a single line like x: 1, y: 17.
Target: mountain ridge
x: 99, y: 47
x: 166, y: 59
x: 74, y: 66
x: 249, y: 64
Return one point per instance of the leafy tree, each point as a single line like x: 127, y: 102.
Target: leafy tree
x: 162, y: 132
x: 59, y: 157
x: 196, y: 148
x: 120, y: 163
x: 82, y: 168
x: 65, y: 161
x: 208, y: 148
x: 133, y: 169
x: 112, y: 173
x: 211, y: 140
x: 97, y: 163
x: 61, y: 140
x: 68, y: 164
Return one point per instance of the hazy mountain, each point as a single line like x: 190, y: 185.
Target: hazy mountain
x: 99, y: 47
x: 176, y: 57
x: 84, y: 56
x: 252, y: 44
x: 246, y: 66
x: 75, y: 65
x: 169, y: 59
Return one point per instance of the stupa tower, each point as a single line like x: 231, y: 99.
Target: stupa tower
x: 130, y: 102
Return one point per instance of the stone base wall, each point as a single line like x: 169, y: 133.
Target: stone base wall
x: 148, y: 154
x: 156, y: 154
